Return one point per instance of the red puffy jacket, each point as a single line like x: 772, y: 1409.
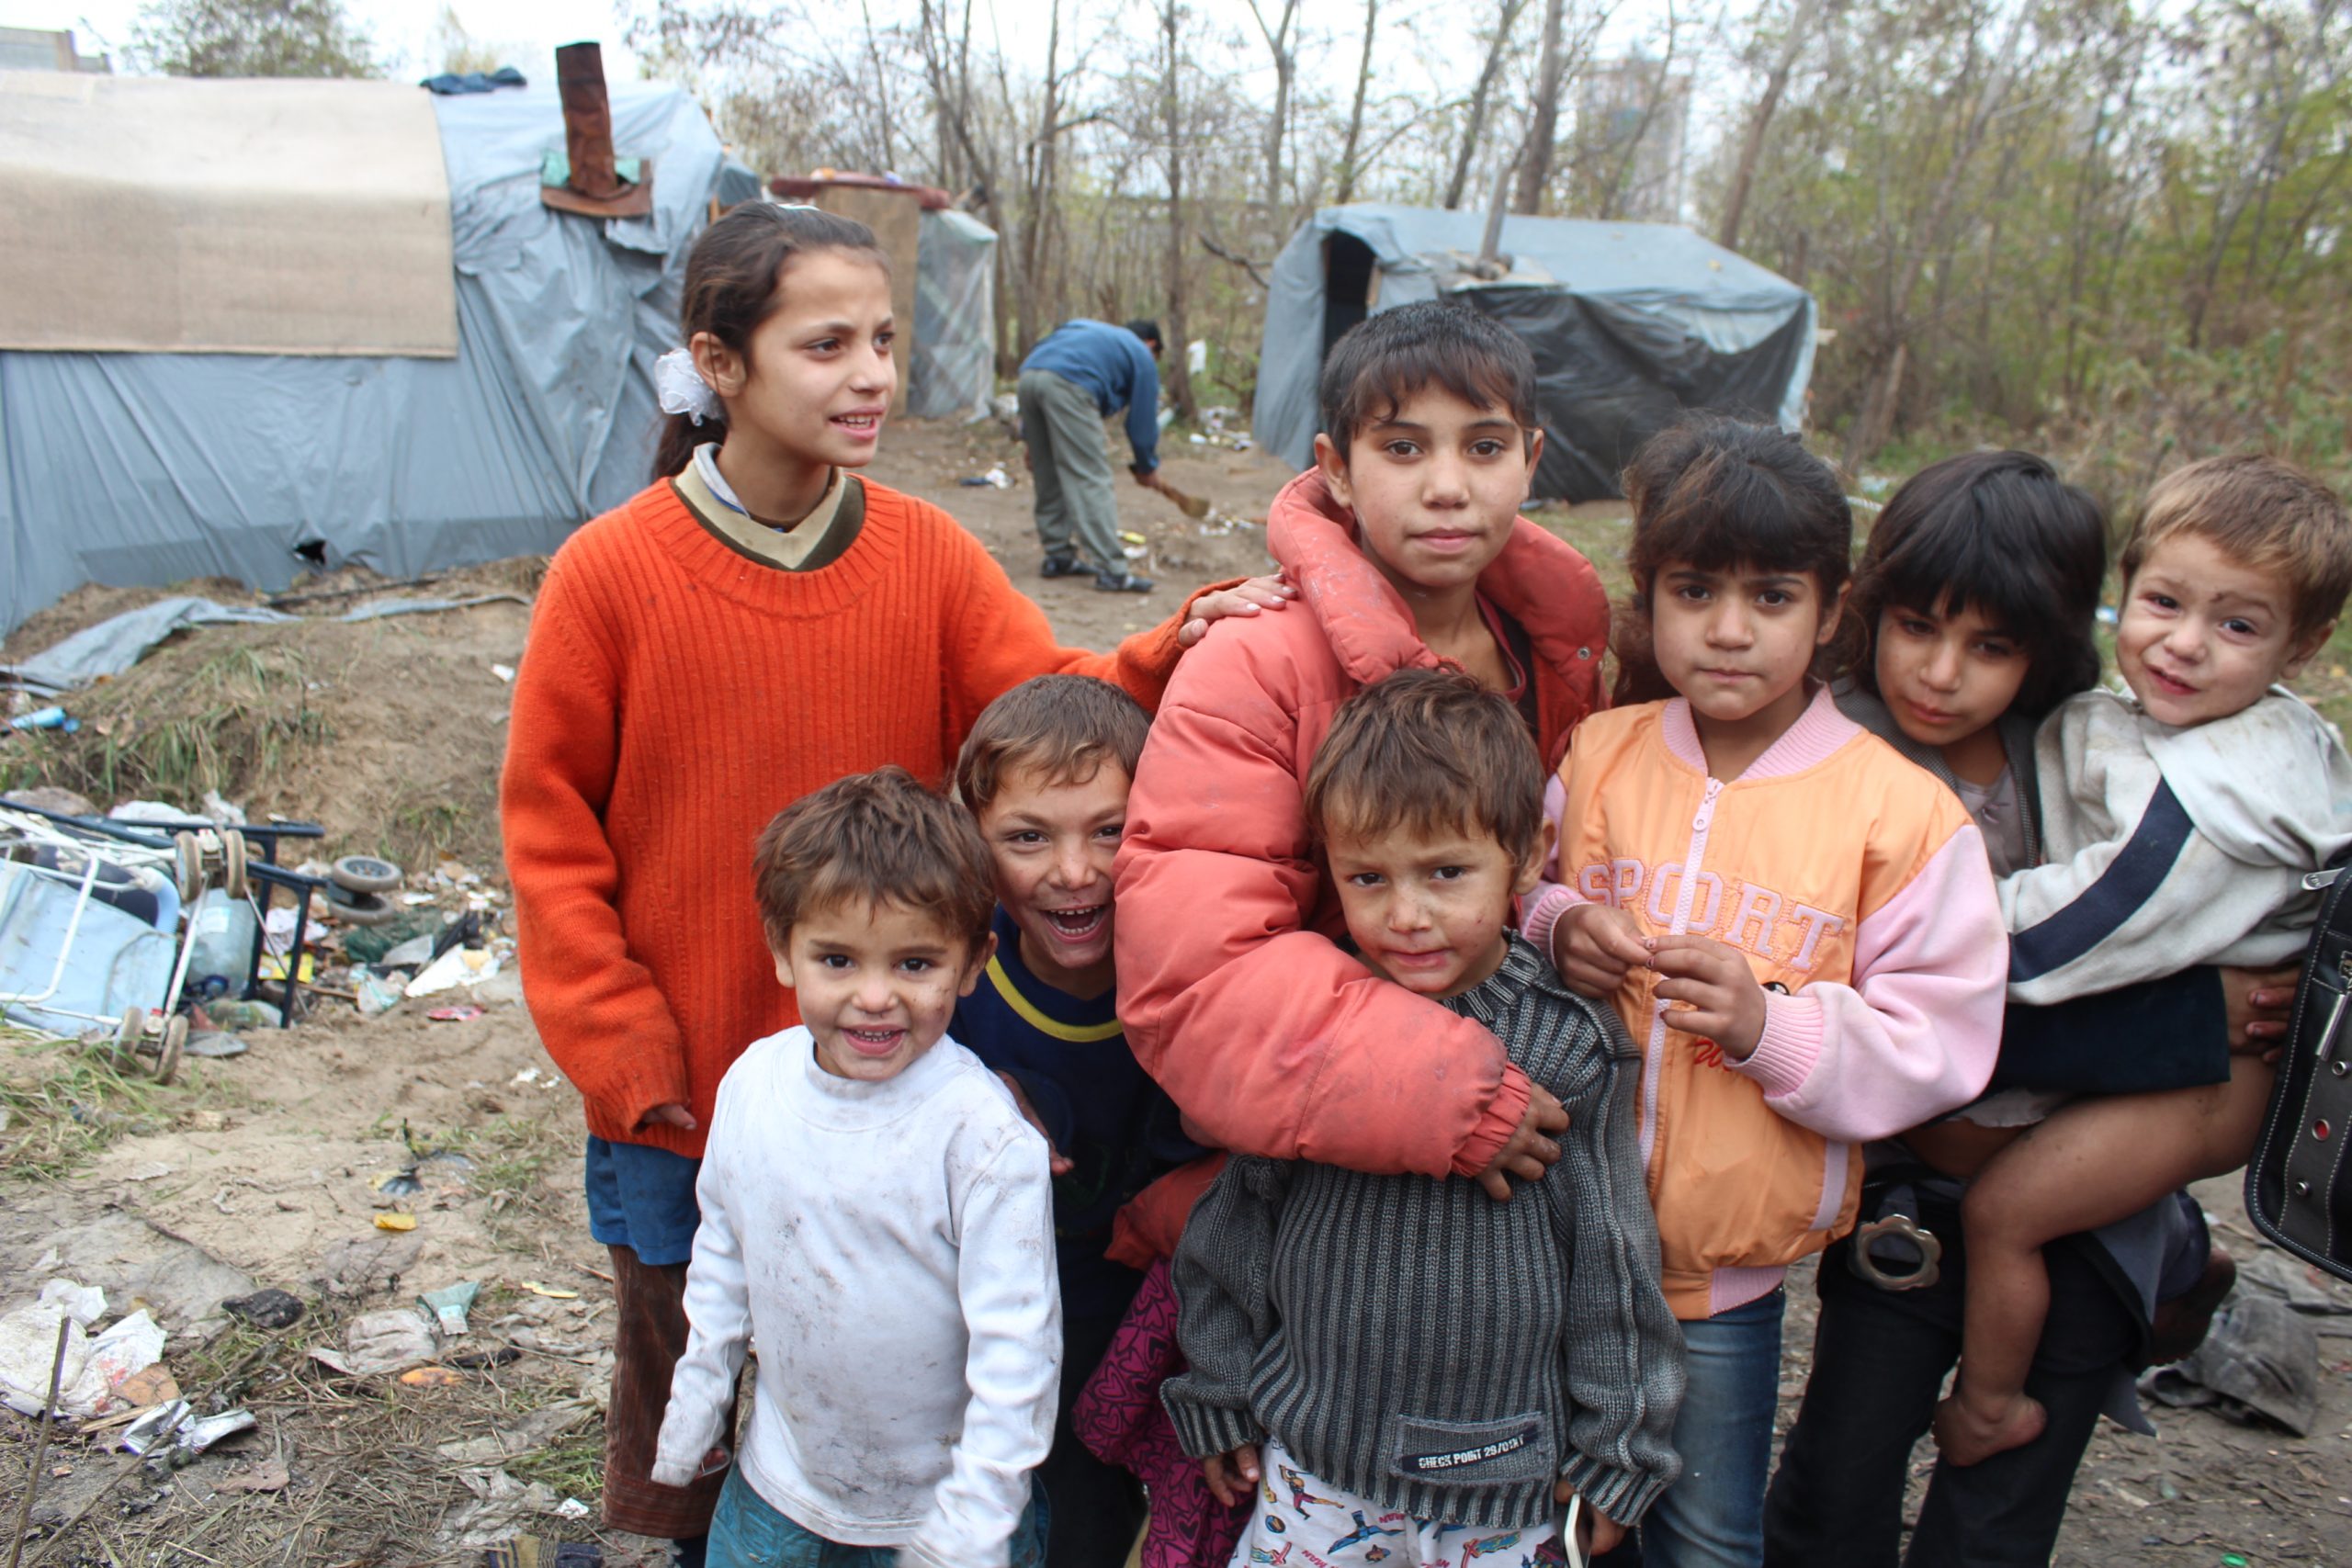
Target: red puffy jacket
x: 1233, y: 991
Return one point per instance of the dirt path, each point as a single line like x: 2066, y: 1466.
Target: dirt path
x: 266, y: 1168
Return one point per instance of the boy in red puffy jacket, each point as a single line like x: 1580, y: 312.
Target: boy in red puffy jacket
x: 1404, y: 545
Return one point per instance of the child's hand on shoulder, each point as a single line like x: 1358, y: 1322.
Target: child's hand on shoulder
x: 1244, y: 599
x: 1232, y: 1477
x: 1593, y: 946
x: 1726, y: 1003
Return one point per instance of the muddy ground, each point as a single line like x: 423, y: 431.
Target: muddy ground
x: 270, y: 1168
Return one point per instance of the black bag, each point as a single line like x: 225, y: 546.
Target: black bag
x: 2299, y: 1185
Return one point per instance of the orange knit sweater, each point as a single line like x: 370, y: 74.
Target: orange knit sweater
x: 673, y: 698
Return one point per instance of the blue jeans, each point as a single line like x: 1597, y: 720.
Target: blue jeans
x: 1713, y: 1517
x: 748, y: 1533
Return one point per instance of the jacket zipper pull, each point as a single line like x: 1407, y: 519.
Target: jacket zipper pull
x: 1707, y: 807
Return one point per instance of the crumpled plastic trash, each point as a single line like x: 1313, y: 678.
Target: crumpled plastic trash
x: 381, y: 1342
x: 178, y: 1426
x: 449, y: 1305
x: 458, y: 966
x: 500, y: 1509
x: 2260, y: 1359
x: 95, y: 1365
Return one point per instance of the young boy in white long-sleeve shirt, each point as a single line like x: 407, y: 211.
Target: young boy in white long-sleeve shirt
x: 876, y: 1214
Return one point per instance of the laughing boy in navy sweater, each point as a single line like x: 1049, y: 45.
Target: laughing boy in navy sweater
x: 1045, y: 773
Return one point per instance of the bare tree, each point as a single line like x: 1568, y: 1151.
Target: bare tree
x: 1282, y: 41
x: 1544, y: 113
x: 1776, y: 82
x: 1174, y: 326
x: 1506, y: 20
x: 1349, y: 149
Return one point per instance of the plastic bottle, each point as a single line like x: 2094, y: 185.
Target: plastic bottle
x: 224, y: 932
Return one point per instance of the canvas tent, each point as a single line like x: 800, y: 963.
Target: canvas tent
x: 1629, y: 323
x: 357, y: 334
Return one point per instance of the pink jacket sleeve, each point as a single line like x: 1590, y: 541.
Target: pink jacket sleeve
x: 1915, y: 1035
x: 1265, y: 1031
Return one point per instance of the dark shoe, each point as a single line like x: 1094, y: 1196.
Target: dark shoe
x: 1061, y: 566
x: 2179, y: 1325
x: 1121, y: 583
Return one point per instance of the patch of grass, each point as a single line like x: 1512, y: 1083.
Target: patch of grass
x: 238, y: 713
x: 573, y: 1464
x: 65, y: 1101
x: 511, y: 1157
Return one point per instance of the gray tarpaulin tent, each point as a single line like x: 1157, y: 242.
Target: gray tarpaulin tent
x: 1630, y: 323
x: 148, y: 465
x: 952, y: 373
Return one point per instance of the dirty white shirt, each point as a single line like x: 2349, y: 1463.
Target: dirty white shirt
x: 2172, y: 846
x: 889, y: 1245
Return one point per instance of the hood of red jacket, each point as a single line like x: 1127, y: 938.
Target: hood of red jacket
x: 1367, y: 622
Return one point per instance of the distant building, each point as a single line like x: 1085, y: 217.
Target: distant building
x: 38, y: 49
x: 1640, y: 104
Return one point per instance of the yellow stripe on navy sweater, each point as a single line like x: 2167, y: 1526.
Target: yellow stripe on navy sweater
x: 1075, y: 1033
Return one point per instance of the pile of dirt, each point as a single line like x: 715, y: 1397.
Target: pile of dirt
x: 385, y: 732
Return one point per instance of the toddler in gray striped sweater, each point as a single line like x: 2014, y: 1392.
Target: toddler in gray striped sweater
x: 1403, y: 1371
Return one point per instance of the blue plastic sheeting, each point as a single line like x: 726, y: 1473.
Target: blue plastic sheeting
x: 155, y: 468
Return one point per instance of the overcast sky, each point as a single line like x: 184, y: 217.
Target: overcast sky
x: 522, y: 32
x: 1440, y: 58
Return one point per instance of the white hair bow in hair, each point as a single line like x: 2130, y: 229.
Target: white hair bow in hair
x: 681, y: 388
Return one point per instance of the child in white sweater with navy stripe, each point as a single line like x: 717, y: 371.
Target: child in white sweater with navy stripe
x: 877, y: 1215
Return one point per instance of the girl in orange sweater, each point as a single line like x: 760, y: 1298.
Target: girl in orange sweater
x: 754, y: 624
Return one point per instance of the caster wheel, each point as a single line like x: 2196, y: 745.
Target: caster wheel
x: 360, y: 908
x: 188, y: 865
x: 366, y: 874
x: 168, y: 1064
x: 233, y: 863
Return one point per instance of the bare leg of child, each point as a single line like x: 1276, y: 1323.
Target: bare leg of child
x: 2093, y: 1163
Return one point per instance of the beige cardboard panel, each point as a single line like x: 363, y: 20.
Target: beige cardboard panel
x: 251, y: 217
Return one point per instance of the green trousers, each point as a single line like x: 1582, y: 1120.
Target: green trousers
x: 1068, y: 462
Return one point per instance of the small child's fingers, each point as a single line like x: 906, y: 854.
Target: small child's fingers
x: 1496, y: 1184
x: 1619, y: 941
x: 1245, y: 1460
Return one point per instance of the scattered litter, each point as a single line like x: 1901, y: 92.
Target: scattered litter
x: 150, y: 1385
x: 449, y: 1305
x: 572, y: 1508
x: 376, y: 997
x: 214, y: 1043
x: 226, y: 1014
x: 2260, y: 1359
x: 504, y: 671
x: 482, y: 1361
x: 995, y: 479
x: 278, y: 930
x: 271, y: 1308
x: 46, y: 718
x: 372, y: 944
x: 2302, y: 1287
x: 396, y: 1222
x: 465, y: 1013
x: 95, y: 1367
x: 83, y: 1304
x: 525, y: 1435
x: 226, y: 813
x: 527, y: 1075
x: 362, y: 1265
x: 458, y: 966
x: 270, y: 1476
x: 432, y: 1377
x: 151, y: 1171
x: 379, y: 1342
x: 180, y: 1427
x: 500, y: 1505
x: 550, y: 1291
